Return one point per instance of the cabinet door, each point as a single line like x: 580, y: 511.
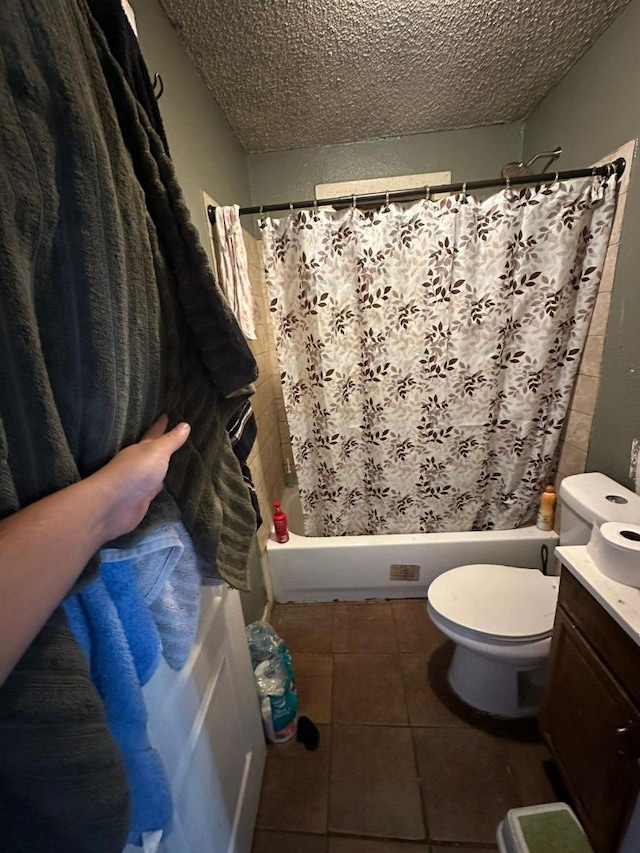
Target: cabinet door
x: 592, y: 729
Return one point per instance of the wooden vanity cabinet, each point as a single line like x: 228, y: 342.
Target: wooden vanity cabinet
x: 590, y: 715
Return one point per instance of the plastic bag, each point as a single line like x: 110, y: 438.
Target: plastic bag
x: 273, y: 670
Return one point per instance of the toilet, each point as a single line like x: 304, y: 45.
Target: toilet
x: 501, y: 617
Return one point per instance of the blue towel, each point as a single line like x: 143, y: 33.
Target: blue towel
x: 167, y: 574
x: 113, y: 627
x: 144, y: 603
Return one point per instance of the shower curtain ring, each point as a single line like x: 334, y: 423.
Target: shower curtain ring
x: 427, y: 193
x: 464, y: 191
x: 386, y: 199
x: 507, y: 184
x: 353, y: 202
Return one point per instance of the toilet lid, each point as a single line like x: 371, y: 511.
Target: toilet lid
x: 500, y: 601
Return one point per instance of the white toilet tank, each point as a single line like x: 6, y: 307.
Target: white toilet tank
x: 588, y: 499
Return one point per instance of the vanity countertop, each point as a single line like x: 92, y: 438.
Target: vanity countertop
x: 622, y: 602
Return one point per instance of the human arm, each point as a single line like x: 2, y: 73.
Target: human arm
x: 45, y: 546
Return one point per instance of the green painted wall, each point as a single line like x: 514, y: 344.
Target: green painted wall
x: 204, y: 148
x: 594, y: 110
x: 471, y: 154
x: 207, y: 156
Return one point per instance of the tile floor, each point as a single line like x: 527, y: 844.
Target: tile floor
x: 402, y: 766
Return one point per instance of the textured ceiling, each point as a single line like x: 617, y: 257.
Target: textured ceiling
x: 314, y: 72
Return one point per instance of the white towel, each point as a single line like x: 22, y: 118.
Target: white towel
x: 233, y: 269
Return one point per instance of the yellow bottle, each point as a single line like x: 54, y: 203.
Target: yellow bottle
x: 545, y: 512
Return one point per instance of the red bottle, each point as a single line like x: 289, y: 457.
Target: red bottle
x: 280, y: 524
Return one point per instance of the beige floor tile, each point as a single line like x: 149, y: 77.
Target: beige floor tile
x: 466, y: 786
x: 288, y: 842
x: 368, y: 845
x: 366, y: 628
x: 415, y: 632
x: 295, y: 788
x: 374, y: 786
x: 305, y: 627
x: 314, y: 683
x: 367, y: 689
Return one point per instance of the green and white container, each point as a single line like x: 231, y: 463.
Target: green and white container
x: 550, y: 828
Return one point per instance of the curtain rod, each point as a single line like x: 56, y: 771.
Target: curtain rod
x: 617, y: 166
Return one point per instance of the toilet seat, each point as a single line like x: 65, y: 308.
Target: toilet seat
x: 503, y: 604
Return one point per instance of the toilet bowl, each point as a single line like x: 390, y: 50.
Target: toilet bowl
x: 501, y: 617
x: 501, y: 620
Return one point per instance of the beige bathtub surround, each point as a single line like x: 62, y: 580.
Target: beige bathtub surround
x: 585, y: 394
x: 608, y: 271
x: 592, y: 356
x: 598, y: 325
x: 265, y: 460
x: 572, y: 459
x: 575, y: 444
x: 616, y: 228
x: 579, y: 429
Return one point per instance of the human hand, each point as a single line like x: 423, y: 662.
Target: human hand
x: 135, y: 475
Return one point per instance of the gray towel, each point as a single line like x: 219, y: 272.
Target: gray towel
x: 104, y: 323
x: 214, y: 363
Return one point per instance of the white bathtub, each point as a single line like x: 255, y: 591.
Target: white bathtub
x: 353, y: 568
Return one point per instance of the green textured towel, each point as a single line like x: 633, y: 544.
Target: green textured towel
x: 109, y: 315
x: 553, y: 832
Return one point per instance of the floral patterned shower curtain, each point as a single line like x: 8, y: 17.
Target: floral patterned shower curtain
x: 428, y: 352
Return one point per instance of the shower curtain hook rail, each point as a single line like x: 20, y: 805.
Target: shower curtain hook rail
x: 617, y: 168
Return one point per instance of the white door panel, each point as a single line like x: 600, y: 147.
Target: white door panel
x: 205, y: 723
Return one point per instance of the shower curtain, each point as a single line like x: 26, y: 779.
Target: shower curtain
x: 428, y: 352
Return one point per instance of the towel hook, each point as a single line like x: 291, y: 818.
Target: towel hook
x: 157, y: 80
